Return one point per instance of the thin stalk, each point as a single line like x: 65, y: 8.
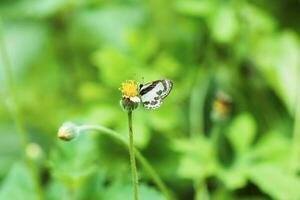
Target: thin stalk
x: 197, y: 100
x: 294, y: 162
x: 199, y: 92
x: 134, y: 175
x: 143, y: 161
x: 201, y: 190
x: 215, y: 135
x: 17, y: 114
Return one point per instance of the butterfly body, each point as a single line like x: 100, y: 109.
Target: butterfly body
x: 152, y: 93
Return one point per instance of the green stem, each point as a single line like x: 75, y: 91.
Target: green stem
x: 134, y: 175
x: 294, y: 162
x: 215, y: 135
x: 17, y: 115
x: 200, y: 90
x: 201, y: 190
x: 197, y: 100
x: 143, y: 161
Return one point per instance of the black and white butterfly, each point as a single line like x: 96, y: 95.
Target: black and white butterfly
x: 152, y: 93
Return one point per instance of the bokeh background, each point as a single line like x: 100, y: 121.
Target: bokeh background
x: 230, y: 129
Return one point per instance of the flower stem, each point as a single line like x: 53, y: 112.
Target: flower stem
x: 294, y: 161
x: 201, y: 190
x: 17, y: 114
x: 143, y: 161
x: 196, y: 106
x: 135, y: 180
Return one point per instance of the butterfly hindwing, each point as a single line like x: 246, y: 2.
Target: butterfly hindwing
x: 154, y: 92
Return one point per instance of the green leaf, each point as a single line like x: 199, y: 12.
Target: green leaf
x: 92, y: 189
x: 74, y: 161
x: 224, y: 24
x: 194, y: 8
x: 125, y: 191
x: 21, y: 50
x: 10, y: 149
x: 259, y: 22
x: 106, y: 25
x: 242, y: 132
x: 197, y: 158
x: 17, y: 185
x: 275, y: 181
x: 56, y: 190
x: 280, y: 144
x: 277, y: 58
x: 235, y: 177
x: 110, y: 62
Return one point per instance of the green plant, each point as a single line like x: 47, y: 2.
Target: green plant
x: 69, y: 131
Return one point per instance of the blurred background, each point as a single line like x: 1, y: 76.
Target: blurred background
x: 230, y: 128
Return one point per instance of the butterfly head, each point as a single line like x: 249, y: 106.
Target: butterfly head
x: 140, y: 86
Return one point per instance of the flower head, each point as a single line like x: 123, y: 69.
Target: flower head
x: 130, y: 95
x: 129, y: 89
x: 222, y: 106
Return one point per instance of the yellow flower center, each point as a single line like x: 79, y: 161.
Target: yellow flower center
x: 129, y: 89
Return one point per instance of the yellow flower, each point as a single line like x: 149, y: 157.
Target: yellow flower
x: 129, y: 89
x: 130, y: 96
x: 222, y: 106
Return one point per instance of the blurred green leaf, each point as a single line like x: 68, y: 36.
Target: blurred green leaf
x: 148, y: 41
x: 104, y: 115
x: 272, y: 147
x: 258, y: 22
x: 22, y: 51
x: 121, y: 191
x: 194, y: 8
x: 92, y: 189
x: 65, y: 164
x: 10, y: 151
x: 111, y: 62
x: 224, y: 24
x: 196, y: 158
x: 235, y: 177
x: 277, y: 58
x: 108, y: 25
x: 17, y: 185
x: 242, y: 132
x: 276, y: 182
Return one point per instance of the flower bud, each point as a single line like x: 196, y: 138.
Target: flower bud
x: 129, y: 104
x: 68, y: 131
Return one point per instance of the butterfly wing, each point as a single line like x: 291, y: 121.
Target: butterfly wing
x: 154, y: 92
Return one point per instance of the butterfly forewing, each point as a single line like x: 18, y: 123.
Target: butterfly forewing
x: 154, y: 92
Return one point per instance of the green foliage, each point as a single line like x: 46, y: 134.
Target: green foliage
x: 68, y: 59
x: 242, y: 132
x: 276, y: 182
x: 18, y: 184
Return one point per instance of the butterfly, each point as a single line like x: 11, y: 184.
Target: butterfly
x: 152, y: 93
